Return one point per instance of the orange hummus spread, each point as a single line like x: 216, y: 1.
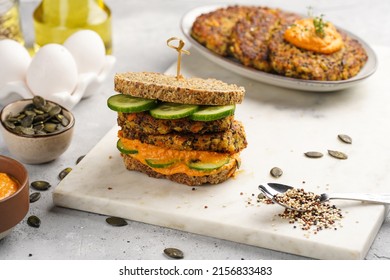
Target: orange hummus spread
x: 8, y: 186
x: 309, y: 35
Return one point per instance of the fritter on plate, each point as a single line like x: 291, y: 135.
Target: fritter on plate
x: 291, y: 61
x: 213, y: 29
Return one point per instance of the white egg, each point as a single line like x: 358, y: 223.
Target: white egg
x: 88, y: 50
x: 14, y: 61
x: 52, y: 70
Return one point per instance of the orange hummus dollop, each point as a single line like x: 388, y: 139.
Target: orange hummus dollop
x: 304, y: 34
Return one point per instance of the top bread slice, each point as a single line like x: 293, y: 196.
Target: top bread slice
x: 196, y: 91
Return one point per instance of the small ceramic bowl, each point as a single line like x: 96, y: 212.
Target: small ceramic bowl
x: 14, y: 207
x: 36, y: 149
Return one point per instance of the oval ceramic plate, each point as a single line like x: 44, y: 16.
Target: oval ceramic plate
x: 273, y: 79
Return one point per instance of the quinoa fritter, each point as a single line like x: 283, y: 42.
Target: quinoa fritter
x: 291, y: 61
x: 250, y: 36
x: 144, y: 123
x: 254, y: 36
x: 213, y: 29
x: 230, y: 141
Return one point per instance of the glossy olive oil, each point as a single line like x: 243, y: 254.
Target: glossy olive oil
x: 56, y: 20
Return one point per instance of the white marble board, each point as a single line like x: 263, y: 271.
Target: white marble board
x: 281, y: 125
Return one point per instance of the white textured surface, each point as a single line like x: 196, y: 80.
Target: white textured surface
x: 281, y: 125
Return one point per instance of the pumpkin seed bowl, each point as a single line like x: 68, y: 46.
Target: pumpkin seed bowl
x: 36, y: 130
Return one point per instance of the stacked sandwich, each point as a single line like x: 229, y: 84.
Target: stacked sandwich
x: 178, y: 129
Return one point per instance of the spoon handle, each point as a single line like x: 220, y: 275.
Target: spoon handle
x: 378, y: 198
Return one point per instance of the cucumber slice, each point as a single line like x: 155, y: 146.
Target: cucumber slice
x: 157, y: 163
x: 208, y: 166
x: 171, y: 111
x: 123, y: 150
x: 128, y: 104
x: 212, y: 113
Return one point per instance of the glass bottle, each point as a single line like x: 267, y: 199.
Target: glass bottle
x: 56, y: 20
x: 10, y: 26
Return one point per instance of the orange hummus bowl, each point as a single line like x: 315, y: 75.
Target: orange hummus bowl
x: 14, y: 207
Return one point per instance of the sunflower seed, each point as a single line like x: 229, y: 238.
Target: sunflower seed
x: 64, y: 172
x: 35, y: 197
x: 34, y: 221
x: 337, y: 154
x: 276, y: 172
x: 313, y: 154
x: 40, y: 185
x: 345, y: 138
x: 116, y: 221
x: 174, y: 253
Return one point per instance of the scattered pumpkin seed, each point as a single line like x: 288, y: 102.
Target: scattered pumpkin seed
x: 34, y: 221
x: 276, y: 172
x: 35, y: 197
x: 174, y: 253
x: 80, y: 159
x: 40, y: 185
x: 261, y: 196
x: 64, y: 172
x: 337, y: 154
x: 37, y: 118
x: 116, y: 221
x: 313, y: 154
x: 345, y: 138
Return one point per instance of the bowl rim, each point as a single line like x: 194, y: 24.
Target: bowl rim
x: 23, y: 184
x: 66, y: 128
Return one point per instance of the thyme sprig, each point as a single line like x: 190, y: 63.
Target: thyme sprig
x: 318, y: 22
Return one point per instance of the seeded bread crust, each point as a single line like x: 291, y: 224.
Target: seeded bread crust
x: 168, y: 88
x: 224, y: 173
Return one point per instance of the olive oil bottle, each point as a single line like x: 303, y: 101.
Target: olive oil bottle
x: 56, y: 20
x: 10, y: 27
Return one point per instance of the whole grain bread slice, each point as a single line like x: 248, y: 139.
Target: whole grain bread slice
x: 168, y: 88
x: 224, y: 173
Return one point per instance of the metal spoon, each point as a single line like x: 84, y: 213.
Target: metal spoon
x: 270, y: 190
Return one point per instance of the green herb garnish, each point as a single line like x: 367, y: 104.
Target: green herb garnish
x: 319, y: 26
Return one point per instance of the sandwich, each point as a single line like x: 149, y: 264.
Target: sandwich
x: 181, y: 129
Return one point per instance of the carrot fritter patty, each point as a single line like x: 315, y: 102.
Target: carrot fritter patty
x: 250, y: 36
x: 230, y: 141
x: 213, y: 29
x: 291, y: 61
x: 144, y: 123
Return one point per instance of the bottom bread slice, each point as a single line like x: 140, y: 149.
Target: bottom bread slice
x: 224, y: 173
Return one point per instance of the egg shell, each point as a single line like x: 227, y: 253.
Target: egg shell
x: 52, y: 70
x: 14, y: 61
x: 88, y: 50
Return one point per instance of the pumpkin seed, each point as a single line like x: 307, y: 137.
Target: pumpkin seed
x: 40, y: 185
x: 337, y: 154
x: 35, y: 197
x: 116, y: 221
x: 313, y: 154
x: 276, y: 172
x: 55, y: 110
x: 261, y: 196
x: 80, y: 159
x: 50, y: 127
x: 345, y: 138
x: 174, y: 253
x: 38, y: 101
x: 27, y: 121
x: 34, y: 221
x: 38, y: 115
x: 64, y: 172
